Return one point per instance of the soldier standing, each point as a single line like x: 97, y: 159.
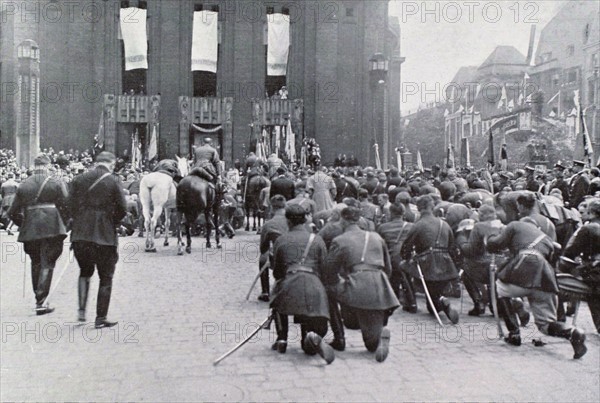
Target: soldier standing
x: 579, y: 184
x: 98, y: 205
x: 40, y: 210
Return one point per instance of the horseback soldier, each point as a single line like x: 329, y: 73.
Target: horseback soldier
x: 207, y: 163
x: 40, y: 210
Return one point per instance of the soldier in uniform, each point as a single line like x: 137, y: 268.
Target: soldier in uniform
x: 585, y: 243
x: 432, y: 240
x: 281, y: 185
x: 206, y: 162
x: 357, y: 271
x: 579, y: 184
x: 531, y: 183
x: 559, y: 181
x: 40, y: 210
x: 298, y: 260
x: 271, y: 230
x: 98, y: 205
x: 8, y: 190
x: 526, y: 205
x: 529, y: 274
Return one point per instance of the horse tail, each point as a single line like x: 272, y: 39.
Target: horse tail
x: 145, y: 199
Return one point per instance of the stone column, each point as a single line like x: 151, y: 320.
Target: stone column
x: 27, y: 103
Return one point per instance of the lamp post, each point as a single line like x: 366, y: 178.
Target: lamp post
x: 27, y: 103
x: 378, y: 69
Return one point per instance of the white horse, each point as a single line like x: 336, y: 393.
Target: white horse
x: 158, y: 194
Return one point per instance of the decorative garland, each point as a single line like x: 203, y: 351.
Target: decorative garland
x: 202, y: 130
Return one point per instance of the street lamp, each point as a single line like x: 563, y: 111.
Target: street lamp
x: 378, y: 70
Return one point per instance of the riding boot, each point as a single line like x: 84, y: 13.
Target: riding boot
x: 561, y: 314
x: 522, y: 313
x: 574, y: 335
x: 282, y: 326
x: 83, y: 288
x: 102, y: 307
x: 475, y: 294
x: 337, y: 326
x: 410, y: 302
x: 43, y: 286
x: 507, y: 312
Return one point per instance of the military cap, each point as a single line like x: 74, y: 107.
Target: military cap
x: 559, y: 166
x: 580, y: 163
x: 295, y: 211
x: 280, y: 170
x: 504, y: 176
x: 351, y: 202
x: 351, y: 214
x: 41, y: 159
x: 106, y: 156
x: 528, y: 168
x: 427, y: 170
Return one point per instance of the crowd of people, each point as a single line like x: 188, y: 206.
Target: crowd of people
x: 348, y: 245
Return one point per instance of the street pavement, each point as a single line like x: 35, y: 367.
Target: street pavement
x: 177, y: 314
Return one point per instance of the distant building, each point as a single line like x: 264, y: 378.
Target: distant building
x: 85, y: 87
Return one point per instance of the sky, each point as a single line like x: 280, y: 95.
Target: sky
x: 439, y: 37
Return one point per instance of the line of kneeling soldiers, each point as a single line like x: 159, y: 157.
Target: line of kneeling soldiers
x: 353, y: 277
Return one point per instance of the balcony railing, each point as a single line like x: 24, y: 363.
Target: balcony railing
x: 276, y: 112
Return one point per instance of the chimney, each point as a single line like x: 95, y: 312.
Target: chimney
x: 531, y: 42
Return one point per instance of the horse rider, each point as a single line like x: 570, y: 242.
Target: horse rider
x: 8, y: 190
x: 98, y: 205
x: 40, y: 210
x: 529, y: 274
x: 298, y: 262
x: 357, y: 271
x: 207, y: 164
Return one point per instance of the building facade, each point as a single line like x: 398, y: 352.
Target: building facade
x: 85, y: 88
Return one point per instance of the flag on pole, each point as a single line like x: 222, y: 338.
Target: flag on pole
x: 503, y: 158
x: 511, y: 105
x: 290, y: 142
x: 451, y: 163
x: 399, y: 159
x: 581, y: 127
x: 419, y: 162
x: 503, y: 98
x: 153, y: 146
x: 99, y: 138
x: 490, y: 150
x: 468, y: 152
x: 520, y: 101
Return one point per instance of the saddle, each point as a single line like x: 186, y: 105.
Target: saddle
x: 203, y: 173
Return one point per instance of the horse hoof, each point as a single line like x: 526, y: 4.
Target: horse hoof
x: 141, y: 235
x: 208, y: 245
x: 179, y: 252
x: 253, y: 228
x: 166, y: 244
x: 218, y: 246
x: 151, y: 250
x: 188, y: 249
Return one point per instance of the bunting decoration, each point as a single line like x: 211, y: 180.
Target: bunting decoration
x: 205, y: 41
x: 419, y: 162
x: 135, y: 38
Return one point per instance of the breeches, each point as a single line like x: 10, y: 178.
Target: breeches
x: 91, y: 256
x: 543, y: 304
x: 369, y: 322
x: 43, y: 253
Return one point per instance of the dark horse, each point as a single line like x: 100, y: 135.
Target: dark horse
x: 194, y: 196
x: 252, y: 199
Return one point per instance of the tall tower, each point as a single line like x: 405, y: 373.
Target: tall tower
x: 27, y: 102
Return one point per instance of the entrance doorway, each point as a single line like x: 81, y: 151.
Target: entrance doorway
x: 215, y: 132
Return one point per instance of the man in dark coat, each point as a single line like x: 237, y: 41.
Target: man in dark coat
x: 206, y: 160
x: 529, y: 274
x: 40, y: 210
x: 357, y: 271
x: 98, y: 205
x: 586, y: 243
x: 559, y: 182
x: 298, y: 259
x: 282, y: 185
x: 394, y: 234
x: 271, y: 230
x: 579, y: 184
x: 432, y: 240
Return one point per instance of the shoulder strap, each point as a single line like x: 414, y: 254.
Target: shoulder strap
x: 98, y: 180
x: 401, y: 231
x: 311, y: 238
x: 37, y: 196
x: 437, y: 238
x: 536, y: 241
x: 364, y: 252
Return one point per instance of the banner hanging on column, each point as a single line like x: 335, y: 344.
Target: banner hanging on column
x: 278, y: 46
x: 205, y: 41
x: 135, y: 38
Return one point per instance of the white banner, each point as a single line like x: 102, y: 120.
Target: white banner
x: 135, y: 38
x: 278, y: 44
x: 205, y: 41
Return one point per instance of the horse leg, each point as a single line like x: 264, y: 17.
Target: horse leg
x: 188, y: 227
x: 247, y: 219
x: 208, y: 224
x: 254, y: 220
x: 178, y: 230
x: 153, y: 223
x: 167, y: 225
x: 216, y: 223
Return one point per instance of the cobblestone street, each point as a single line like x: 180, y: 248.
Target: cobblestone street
x: 177, y: 314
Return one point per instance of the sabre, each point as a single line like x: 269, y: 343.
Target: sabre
x: 262, y: 269
x: 265, y: 324
x: 64, y: 269
x: 437, y: 316
x: 492, y: 271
